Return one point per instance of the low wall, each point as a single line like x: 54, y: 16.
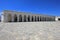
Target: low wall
x: 30, y: 31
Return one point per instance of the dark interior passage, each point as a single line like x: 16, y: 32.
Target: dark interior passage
x: 59, y: 19
x: 28, y: 18
x: 24, y: 18
x: 32, y: 18
x: 15, y: 18
x: 20, y: 18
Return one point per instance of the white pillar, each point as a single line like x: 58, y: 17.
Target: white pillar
x: 36, y: 18
x: 22, y: 18
x: 30, y: 18
x: 2, y: 18
x: 33, y: 18
x: 39, y: 18
x: 17, y: 18
x: 26, y: 18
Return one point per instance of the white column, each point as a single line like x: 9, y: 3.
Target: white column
x: 33, y: 18
x: 26, y: 18
x: 39, y: 18
x: 36, y: 18
x: 22, y: 18
x: 17, y: 18
x: 2, y: 18
x: 5, y: 17
x: 30, y: 18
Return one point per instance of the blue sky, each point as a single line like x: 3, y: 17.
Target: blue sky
x: 49, y: 7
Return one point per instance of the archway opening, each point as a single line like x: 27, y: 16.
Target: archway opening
x: 20, y: 18
x: 15, y: 18
x: 9, y: 18
x: 58, y: 19
x: 38, y: 18
x: 32, y: 18
x: 24, y: 18
x: 28, y: 18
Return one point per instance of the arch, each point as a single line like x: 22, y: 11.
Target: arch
x: 46, y: 18
x: 9, y: 18
x: 38, y: 18
x: 24, y: 18
x: 28, y: 18
x: 15, y: 18
x: 58, y: 19
x: 20, y: 18
x: 32, y: 18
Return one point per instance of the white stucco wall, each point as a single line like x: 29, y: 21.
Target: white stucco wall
x: 5, y: 13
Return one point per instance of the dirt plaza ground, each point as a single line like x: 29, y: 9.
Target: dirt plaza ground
x: 30, y: 31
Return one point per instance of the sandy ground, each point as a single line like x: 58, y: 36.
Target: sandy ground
x: 30, y: 31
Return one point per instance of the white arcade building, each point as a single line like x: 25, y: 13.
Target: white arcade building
x: 13, y: 16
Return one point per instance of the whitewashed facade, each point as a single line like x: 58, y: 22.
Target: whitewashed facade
x: 13, y: 16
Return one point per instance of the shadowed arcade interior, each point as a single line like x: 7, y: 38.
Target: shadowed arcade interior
x: 15, y: 18
x: 59, y: 19
x: 29, y: 18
